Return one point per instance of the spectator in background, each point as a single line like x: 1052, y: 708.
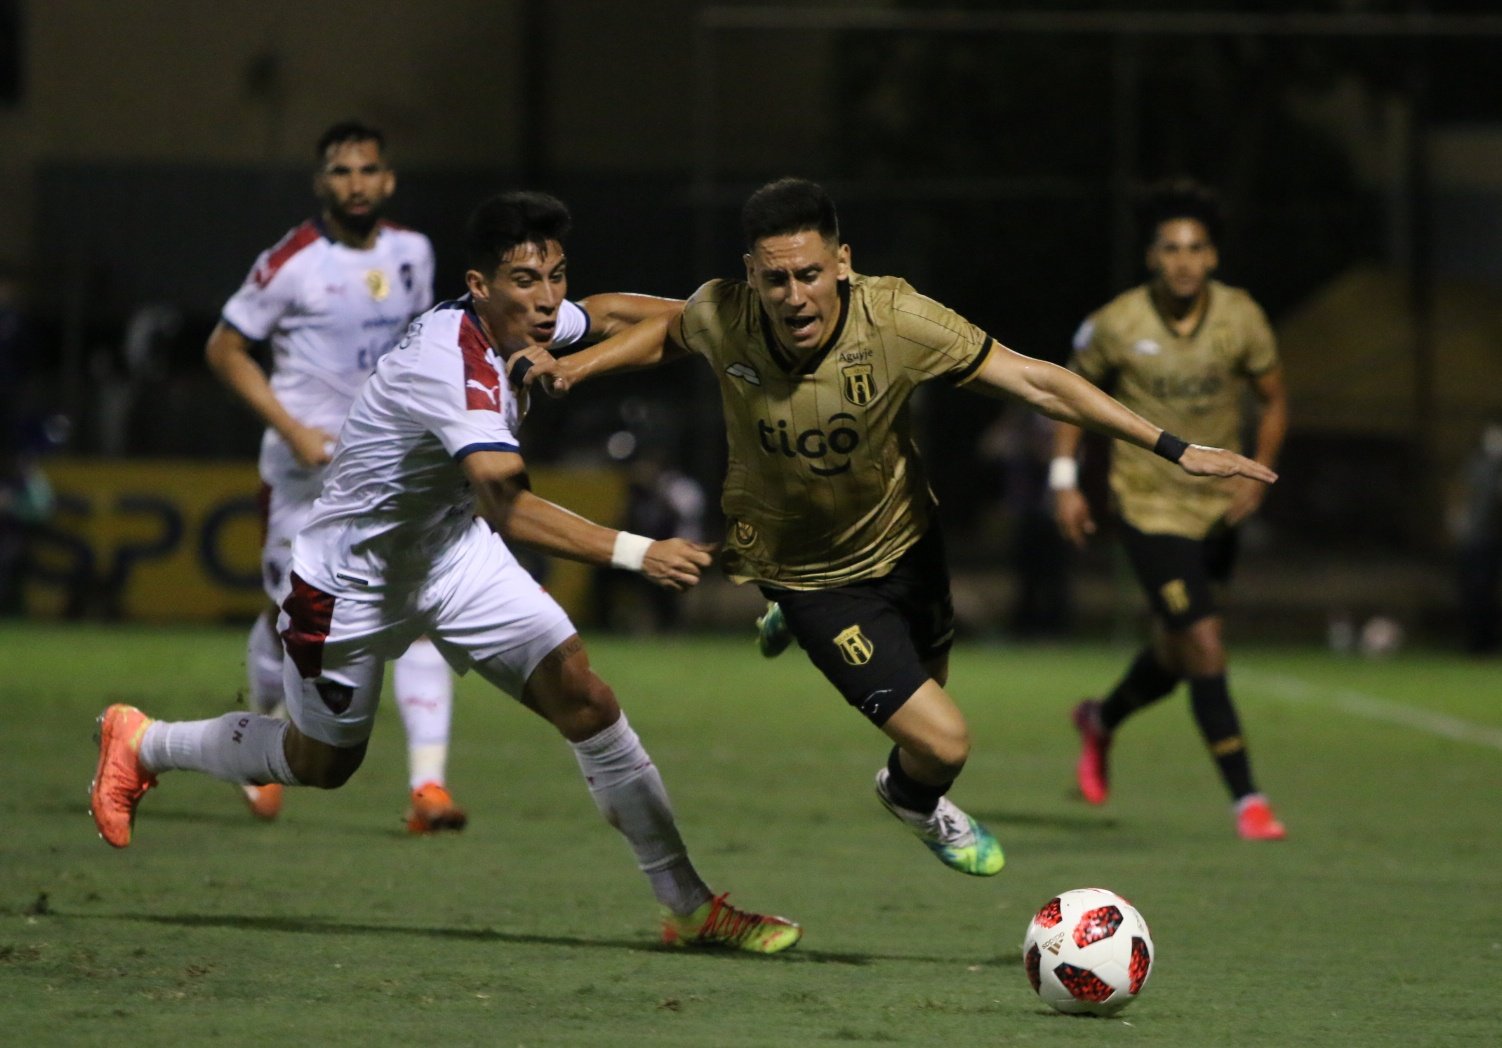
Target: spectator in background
x: 1480, y: 546
x: 25, y: 502
x: 1021, y: 443
x: 25, y: 495
x: 15, y: 351
x: 660, y: 500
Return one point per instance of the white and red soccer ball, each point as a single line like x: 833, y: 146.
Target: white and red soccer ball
x: 1088, y: 950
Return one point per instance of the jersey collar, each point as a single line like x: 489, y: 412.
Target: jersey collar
x: 466, y: 302
x: 785, y: 361
x: 323, y: 229
x: 1168, y: 325
x: 327, y: 234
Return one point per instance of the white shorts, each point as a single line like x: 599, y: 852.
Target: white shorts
x: 481, y: 609
x: 288, y: 503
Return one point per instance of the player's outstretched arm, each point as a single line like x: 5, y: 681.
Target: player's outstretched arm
x: 614, y: 312
x: 228, y: 355
x: 500, y: 481
x: 1066, y: 397
x: 652, y: 341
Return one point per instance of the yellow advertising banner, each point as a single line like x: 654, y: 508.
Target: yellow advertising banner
x: 174, y: 541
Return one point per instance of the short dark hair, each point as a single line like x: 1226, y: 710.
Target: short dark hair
x: 348, y: 131
x: 506, y: 221
x: 1179, y: 198
x: 789, y: 205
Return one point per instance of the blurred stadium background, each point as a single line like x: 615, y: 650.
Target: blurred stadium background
x: 986, y: 151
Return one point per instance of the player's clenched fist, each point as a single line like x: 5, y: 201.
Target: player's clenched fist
x: 1072, y: 513
x: 535, y: 366
x: 676, y: 564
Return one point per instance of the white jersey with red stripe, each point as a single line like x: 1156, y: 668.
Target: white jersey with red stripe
x: 330, y: 312
x: 395, y: 498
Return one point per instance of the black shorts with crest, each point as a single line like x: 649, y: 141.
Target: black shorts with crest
x: 871, y: 638
x: 1181, y: 576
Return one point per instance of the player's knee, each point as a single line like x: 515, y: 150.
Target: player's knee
x: 589, y: 706
x: 952, y: 753
x: 337, y: 772
x: 1200, y: 651
x: 942, y: 749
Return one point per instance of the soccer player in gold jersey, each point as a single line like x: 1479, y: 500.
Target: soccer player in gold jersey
x: 827, y: 506
x: 1185, y: 349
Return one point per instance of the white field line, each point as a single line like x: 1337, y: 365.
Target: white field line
x: 1292, y: 689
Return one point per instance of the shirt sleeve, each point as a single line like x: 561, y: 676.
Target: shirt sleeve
x: 935, y: 341
x: 423, y: 294
x: 257, y: 307
x: 572, y: 325
x: 1090, y: 357
x: 700, y: 321
x: 1261, y: 345
x: 464, y: 419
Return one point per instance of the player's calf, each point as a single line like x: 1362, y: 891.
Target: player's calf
x: 319, y: 764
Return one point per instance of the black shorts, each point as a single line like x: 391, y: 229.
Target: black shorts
x: 1181, y: 575
x: 871, y: 638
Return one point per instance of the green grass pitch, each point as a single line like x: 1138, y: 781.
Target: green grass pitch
x: 1379, y: 922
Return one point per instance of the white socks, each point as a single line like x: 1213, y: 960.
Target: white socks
x: 629, y: 792
x: 263, y: 666
x: 424, y: 690
x: 237, y: 747
x: 243, y: 748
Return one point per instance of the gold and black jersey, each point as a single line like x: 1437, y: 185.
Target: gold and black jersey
x: 824, y: 484
x: 1192, y: 385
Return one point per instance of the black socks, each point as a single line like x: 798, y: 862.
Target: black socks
x: 1146, y: 682
x: 1210, y: 701
x: 907, y: 792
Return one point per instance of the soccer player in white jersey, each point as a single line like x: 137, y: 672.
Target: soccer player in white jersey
x: 332, y: 297
x: 410, y: 536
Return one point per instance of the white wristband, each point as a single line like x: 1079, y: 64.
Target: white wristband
x: 1063, y: 474
x: 630, y: 551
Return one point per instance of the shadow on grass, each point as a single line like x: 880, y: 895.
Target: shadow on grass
x: 236, y: 816
x: 299, y: 821
x: 323, y: 926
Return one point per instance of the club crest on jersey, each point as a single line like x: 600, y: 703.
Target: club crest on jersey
x: 859, y: 383
x: 743, y: 534
x: 1146, y: 347
x: 743, y: 371
x: 855, y: 647
x: 377, y: 284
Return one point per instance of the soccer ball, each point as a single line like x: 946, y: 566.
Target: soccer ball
x: 1088, y: 950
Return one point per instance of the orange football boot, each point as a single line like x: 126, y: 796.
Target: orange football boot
x: 433, y: 809
x: 120, y: 781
